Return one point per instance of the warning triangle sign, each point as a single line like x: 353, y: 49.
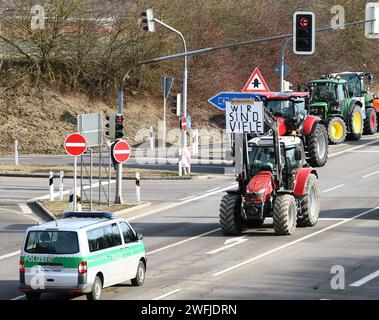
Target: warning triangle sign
x: 256, y: 83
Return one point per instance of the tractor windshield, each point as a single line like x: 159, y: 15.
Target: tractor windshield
x: 323, y: 92
x: 288, y: 108
x: 262, y: 158
x: 354, y: 84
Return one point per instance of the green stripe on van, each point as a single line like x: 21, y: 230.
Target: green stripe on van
x: 94, y: 259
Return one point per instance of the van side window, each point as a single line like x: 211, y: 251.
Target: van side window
x: 127, y: 232
x: 104, y: 237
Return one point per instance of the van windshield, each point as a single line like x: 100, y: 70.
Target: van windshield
x: 52, y: 242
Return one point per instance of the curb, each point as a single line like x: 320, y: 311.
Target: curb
x: 44, y: 210
x: 41, y: 175
x: 143, y: 205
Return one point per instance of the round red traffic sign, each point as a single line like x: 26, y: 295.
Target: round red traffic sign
x: 75, y: 144
x: 121, y: 151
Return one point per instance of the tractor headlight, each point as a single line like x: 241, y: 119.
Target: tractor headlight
x: 260, y: 192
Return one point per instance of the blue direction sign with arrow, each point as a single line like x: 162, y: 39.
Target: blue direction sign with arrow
x: 219, y: 100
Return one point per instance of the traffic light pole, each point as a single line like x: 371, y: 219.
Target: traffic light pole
x: 283, y: 62
x: 118, y: 198
x: 185, y: 90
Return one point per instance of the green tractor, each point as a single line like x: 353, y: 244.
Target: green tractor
x: 330, y: 100
x: 359, y: 87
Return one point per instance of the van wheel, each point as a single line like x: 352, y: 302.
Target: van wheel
x: 140, y: 277
x: 97, y: 289
x: 32, y: 295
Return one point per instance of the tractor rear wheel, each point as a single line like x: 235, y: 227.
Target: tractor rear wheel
x: 318, y: 146
x: 337, y: 130
x: 371, y: 121
x: 356, y: 123
x: 284, y: 214
x: 310, y: 203
x: 230, y: 214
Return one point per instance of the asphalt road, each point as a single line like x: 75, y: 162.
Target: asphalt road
x: 189, y: 258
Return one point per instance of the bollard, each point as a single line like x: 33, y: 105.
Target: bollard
x: 138, y: 187
x: 51, y: 185
x: 16, y: 152
x: 79, y: 203
x: 61, y: 186
x: 151, y: 138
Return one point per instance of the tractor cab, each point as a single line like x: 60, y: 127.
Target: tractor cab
x: 261, y: 157
x: 290, y: 106
x: 358, y: 82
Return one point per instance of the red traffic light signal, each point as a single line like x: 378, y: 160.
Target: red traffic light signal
x: 304, y: 22
x: 304, y: 33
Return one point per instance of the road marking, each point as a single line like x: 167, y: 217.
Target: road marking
x: 174, y: 205
x: 167, y: 294
x: 56, y: 194
x: 183, y: 241
x: 333, y: 219
x: 365, y: 279
x: 25, y: 208
x: 214, y: 189
x: 18, y: 298
x: 264, y: 254
x: 370, y: 174
x: 23, y: 214
x: 229, y: 243
x: 365, y: 151
x: 9, y: 255
x: 336, y: 187
x: 186, y: 198
x: 353, y: 148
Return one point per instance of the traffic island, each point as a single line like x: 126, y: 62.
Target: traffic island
x: 41, y: 171
x: 55, y: 209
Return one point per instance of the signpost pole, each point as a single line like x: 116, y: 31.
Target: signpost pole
x: 164, y: 113
x: 118, y: 197
x: 75, y: 174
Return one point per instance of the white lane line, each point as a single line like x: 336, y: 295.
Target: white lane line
x: 25, y: 208
x: 365, y: 279
x: 183, y: 241
x: 353, y: 148
x: 214, y: 189
x: 167, y: 294
x: 174, y: 205
x: 18, y: 298
x: 365, y: 151
x: 333, y: 219
x: 370, y: 174
x: 262, y: 255
x: 186, y: 198
x: 56, y: 194
x: 23, y: 214
x: 336, y: 187
x: 9, y: 255
x: 229, y: 244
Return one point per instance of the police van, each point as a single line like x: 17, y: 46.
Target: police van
x: 81, y: 254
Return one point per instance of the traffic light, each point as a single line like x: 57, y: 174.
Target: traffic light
x: 147, y: 20
x: 119, y: 127
x: 304, y: 32
x: 111, y: 126
x: 175, y: 102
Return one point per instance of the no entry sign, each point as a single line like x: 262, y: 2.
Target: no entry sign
x: 183, y: 124
x: 75, y: 144
x: 121, y: 151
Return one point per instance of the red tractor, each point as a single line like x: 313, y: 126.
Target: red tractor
x: 275, y: 181
x: 291, y: 110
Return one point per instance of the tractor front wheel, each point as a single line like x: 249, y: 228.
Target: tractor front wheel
x: 336, y: 130
x: 310, y: 203
x: 318, y: 146
x: 284, y: 214
x: 356, y: 123
x: 230, y: 214
x: 371, y: 121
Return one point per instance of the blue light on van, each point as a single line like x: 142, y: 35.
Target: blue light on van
x: 70, y: 214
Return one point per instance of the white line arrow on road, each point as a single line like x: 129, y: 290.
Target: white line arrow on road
x: 229, y: 243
